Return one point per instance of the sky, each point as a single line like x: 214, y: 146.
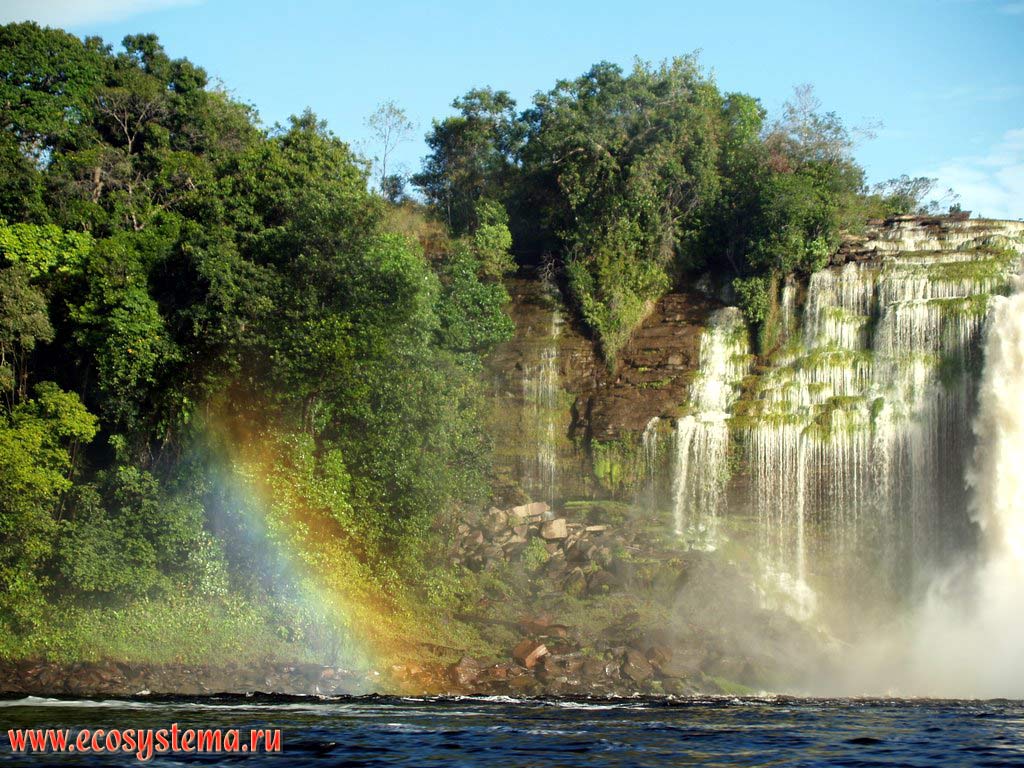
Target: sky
x: 944, y: 78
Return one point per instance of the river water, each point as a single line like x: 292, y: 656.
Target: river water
x: 495, y: 731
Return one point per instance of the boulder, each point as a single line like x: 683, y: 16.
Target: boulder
x: 534, y: 625
x: 495, y: 520
x: 659, y: 654
x: 525, y: 685
x: 559, y: 631
x: 533, y: 509
x: 554, y: 529
x: 635, y: 666
x: 528, y: 652
x: 575, y: 583
x: 464, y: 672
x: 601, y: 582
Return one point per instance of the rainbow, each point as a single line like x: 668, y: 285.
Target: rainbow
x: 305, y: 537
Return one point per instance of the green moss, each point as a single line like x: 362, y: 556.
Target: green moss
x: 619, y: 465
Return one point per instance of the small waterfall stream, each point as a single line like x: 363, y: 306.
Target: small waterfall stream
x: 541, y: 394
x: 700, y: 471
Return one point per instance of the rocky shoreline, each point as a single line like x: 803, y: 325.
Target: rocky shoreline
x: 538, y: 672
x: 584, y: 603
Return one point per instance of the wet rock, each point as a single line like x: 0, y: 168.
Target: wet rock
x: 551, y: 669
x: 495, y: 674
x: 685, y: 660
x: 635, y: 666
x: 555, y: 567
x: 554, y: 529
x: 525, y: 685
x: 528, y: 652
x: 592, y: 669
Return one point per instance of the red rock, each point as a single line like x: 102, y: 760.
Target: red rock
x: 465, y: 671
x: 528, y: 652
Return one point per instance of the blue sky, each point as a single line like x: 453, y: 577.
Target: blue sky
x: 945, y: 77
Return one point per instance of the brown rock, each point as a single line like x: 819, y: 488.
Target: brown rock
x: 534, y: 625
x: 635, y: 666
x: 528, y: 652
x: 533, y: 509
x: 601, y: 582
x: 525, y: 685
x: 465, y: 671
x: 592, y: 669
x: 659, y: 655
x: 495, y: 520
x: 554, y: 529
x: 575, y: 583
x: 560, y: 631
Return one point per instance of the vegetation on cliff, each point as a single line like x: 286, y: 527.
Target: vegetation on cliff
x: 634, y: 182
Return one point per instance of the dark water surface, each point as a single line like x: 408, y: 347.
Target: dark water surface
x: 716, y: 731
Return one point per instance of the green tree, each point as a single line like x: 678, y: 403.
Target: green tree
x: 472, y: 155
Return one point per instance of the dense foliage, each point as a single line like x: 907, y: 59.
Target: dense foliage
x: 229, y: 368
x: 635, y: 182
x: 180, y: 286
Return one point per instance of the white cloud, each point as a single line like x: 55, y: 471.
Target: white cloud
x: 991, y: 184
x: 72, y: 13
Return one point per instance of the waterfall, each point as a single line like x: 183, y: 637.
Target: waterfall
x: 857, y: 431
x: 964, y: 639
x: 542, y: 393
x: 701, y: 471
x: 996, y: 474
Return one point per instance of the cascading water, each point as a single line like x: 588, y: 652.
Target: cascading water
x: 970, y: 634
x: 541, y: 394
x: 855, y: 429
x: 857, y: 432
x: 700, y: 471
x: 995, y: 477
x: 964, y: 639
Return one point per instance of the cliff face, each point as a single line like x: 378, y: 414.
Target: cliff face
x: 914, y: 234
x: 555, y: 399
